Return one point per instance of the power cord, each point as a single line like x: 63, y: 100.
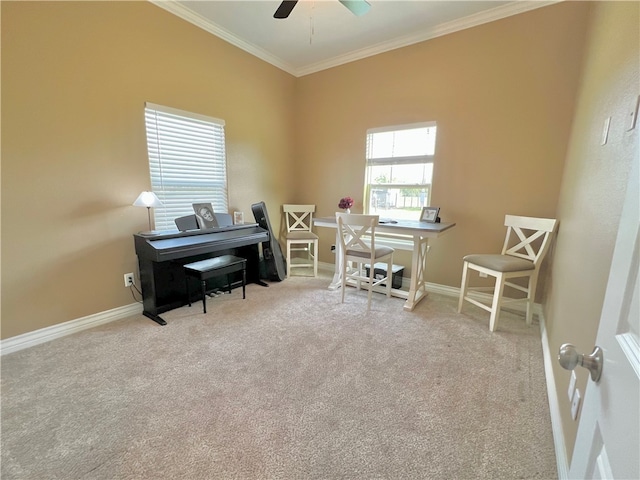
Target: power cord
x: 133, y: 287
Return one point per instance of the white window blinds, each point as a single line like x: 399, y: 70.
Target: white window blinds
x: 187, y: 162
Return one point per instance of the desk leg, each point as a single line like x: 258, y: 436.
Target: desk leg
x: 337, y: 273
x: 417, y: 287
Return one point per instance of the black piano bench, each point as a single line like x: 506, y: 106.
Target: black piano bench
x: 215, y: 267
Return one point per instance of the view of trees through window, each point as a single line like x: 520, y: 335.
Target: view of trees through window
x: 399, y: 170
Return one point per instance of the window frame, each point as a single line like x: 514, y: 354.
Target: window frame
x: 422, y: 159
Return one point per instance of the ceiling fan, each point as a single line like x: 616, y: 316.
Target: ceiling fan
x: 357, y: 7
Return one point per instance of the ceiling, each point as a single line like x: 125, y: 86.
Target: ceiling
x: 321, y: 34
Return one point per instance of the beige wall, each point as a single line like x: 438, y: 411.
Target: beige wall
x: 593, y: 189
x: 75, y: 76
x: 502, y: 95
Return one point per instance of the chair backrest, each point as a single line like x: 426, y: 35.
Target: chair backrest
x: 299, y: 218
x: 354, y: 228
x: 528, y: 237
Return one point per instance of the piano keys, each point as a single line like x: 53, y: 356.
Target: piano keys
x: 161, y: 258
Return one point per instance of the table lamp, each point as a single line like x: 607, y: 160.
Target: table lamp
x: 148, y: 199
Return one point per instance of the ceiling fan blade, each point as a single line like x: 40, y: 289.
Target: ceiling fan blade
x: 285, y: 8
x: 357, y: 7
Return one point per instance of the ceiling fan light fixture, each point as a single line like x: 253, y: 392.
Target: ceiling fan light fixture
x: 357, y: 7
x: 285, y: 9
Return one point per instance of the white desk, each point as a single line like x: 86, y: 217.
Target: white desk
x: 419, y: 232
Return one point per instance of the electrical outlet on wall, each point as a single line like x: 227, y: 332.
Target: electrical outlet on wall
x: 575, y: 404
x: 605, y: 131
x: 632, y: 119
x: 128, y: 279
x: 572, y: 385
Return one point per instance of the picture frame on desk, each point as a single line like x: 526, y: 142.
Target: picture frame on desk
x: 429, y: 214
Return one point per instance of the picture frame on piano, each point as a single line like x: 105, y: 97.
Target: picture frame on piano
x: 204, y: 215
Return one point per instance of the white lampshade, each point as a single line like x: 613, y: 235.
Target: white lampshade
x: 147, y: 199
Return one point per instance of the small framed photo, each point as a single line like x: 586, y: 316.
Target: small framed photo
x: 205, y: 216
x: 429, y: 214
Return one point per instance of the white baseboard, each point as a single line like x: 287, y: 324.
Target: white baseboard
x: 562, y: 461
x: 43, y: 335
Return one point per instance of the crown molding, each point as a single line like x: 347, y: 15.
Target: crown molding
x: 211, y: 27
x: 474, y: 20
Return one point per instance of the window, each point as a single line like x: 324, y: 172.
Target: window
x: 187, y: 162
x: 399, y: 170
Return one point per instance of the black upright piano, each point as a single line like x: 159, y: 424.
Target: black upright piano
x: 161, y: 258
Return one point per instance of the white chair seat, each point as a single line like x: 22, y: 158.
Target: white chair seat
x: 301, y: 236
x: 378, y: 252
x: 500, y: 263
x: 524, y: 248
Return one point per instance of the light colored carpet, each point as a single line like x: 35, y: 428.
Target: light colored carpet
x: 287, y: 384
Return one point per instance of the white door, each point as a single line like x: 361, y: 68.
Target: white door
x: 608, y: 445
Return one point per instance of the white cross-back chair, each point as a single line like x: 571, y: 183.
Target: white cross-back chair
x: 525, y: 246
x: 357, y: 245
x: 300, y: 238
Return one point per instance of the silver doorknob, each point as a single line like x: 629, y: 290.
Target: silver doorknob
x: 569, y: 358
